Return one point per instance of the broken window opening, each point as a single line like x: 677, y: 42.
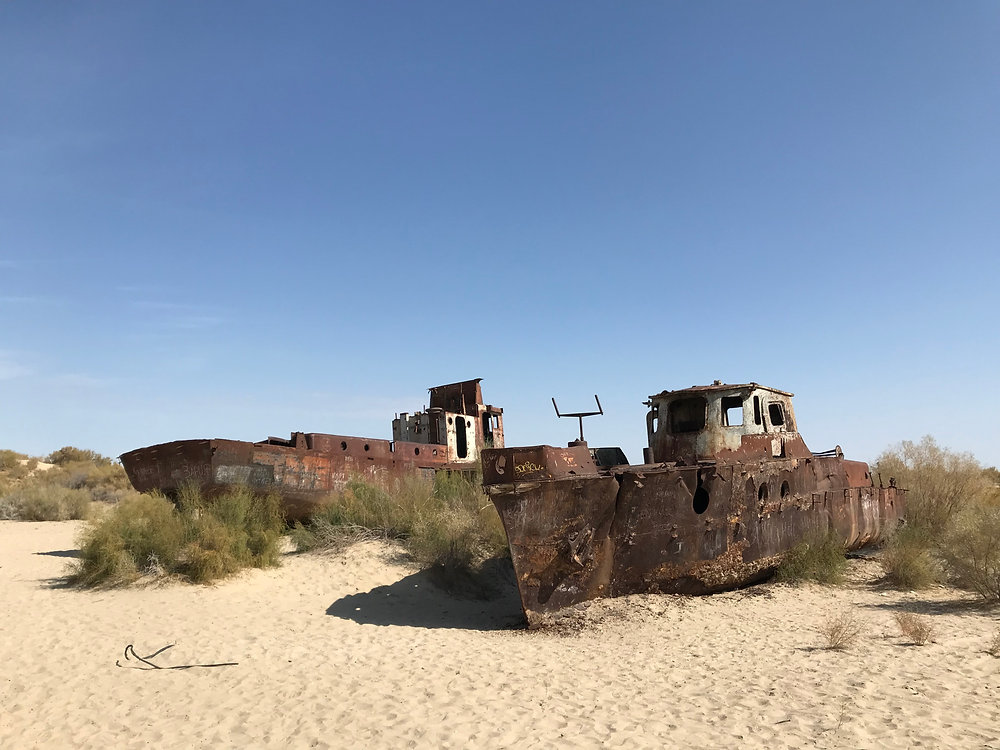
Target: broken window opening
x: 461, y: 441
x: 756, y: 409
x: 775, y: 414
x: 687, y: 414
x: 732, y: 411
x: 487, y: 430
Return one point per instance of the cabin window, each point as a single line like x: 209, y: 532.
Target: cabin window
x: 732, y: 411
x: 461, y: 440
x: 775, y: 414
x: 687, y: 414
x: 654, y: 418
x: 756, y: 409
x: 487, y: 430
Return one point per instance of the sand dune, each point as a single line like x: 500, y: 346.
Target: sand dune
x: 360, y: 650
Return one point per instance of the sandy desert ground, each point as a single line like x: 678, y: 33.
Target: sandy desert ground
x: 360, y: 650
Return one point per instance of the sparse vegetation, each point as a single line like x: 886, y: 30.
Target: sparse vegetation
x: 70, y: 455
x: 200, y: 538
x: 908, y: 559
x: 994, y: 648
x: 939, y: 482
x: 62, y: 488
x: 819, y: 559
x: 918, y: 629
x: 841, y: 631
x: 11, y: 460
x: 449, y: 525
x: 48, y: 502
x: 971, y: 551
x: 952, y: 519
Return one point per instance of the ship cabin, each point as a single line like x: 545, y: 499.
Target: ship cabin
x: 722, y: 423
x: 456, y: 418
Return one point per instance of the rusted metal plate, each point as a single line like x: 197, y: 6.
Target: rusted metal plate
x: 720, y: 513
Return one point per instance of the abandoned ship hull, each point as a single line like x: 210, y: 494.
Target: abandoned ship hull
x: 305, y: 469
x: 303, y: 473
x: 578, y: 531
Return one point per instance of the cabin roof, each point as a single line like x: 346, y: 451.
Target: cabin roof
x: 717, y: 386
x: 454, y: 385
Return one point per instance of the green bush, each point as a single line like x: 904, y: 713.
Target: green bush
x: 69, y: 454
x: 200, y: 538
x: 143, y: 533
x: 908, y: 559
x: 820, y: 559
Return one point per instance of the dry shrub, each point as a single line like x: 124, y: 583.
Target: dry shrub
x: 9, y: 509
x: 994, y: 648
x: 45, y: 502
x: 116, y: 549
x: 201, y: 538
x: 918, y: 629
x: 841, y: 632
x: 939, y: 482
x: 952, y: 518
x: 909, y: 561
x: 68, y: 454
x: 63, y: 492
x: 449, y: 526
x: 971, y: 551
x: 819, y: 559
x: 11, y: 460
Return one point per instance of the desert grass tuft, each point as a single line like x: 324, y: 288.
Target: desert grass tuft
x: 841, y: 631
x: 820, y: 559
x: 918, y: 629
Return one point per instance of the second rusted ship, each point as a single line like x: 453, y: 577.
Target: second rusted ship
x: 306, y: 468
x: 728, y: 486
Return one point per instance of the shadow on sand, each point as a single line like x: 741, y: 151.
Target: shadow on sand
x: 61, y: 553
x: 416, y: 602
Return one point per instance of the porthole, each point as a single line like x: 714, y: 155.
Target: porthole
x: 343, y: 445
x: 700, y: 502
x: 450, y: 420
x: 366, y: 446
x: 416, y: 451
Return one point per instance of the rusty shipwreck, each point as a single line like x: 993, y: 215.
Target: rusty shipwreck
x: 728, y: 486
x: 448, y: 435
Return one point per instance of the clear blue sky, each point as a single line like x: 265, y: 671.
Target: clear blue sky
x: 239, y: 219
